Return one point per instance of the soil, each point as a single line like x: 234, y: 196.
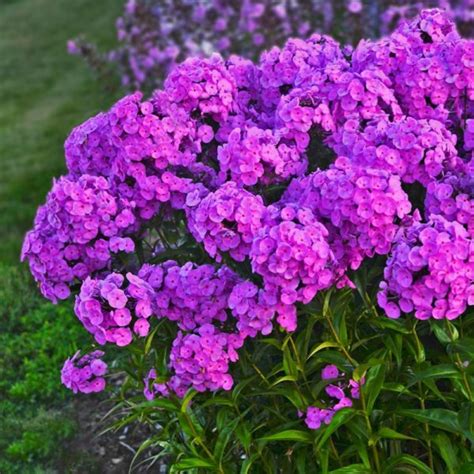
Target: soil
x: 91, y: 452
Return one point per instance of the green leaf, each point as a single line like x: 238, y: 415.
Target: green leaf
x: 286, y: 378
x: 289, y: 365
x: 149, y: 340
x: 339, y: 322
x: 161, y: 403
x: 244, y: 435
x: 340, y: 418
x: 190, y: 463
x: 440, y: 332
x: 361, y: 369
x: 393, y: 325
x: 467, y: 468
x: 464, y: 346
x: 394, y: 343
x: 447, y: 451
x: 437, y: 417
x: 224, y: 438
x: 320, y: 347
x: 401, y: 460
x: 247, y: 464
x: 373, y: 385
x: 352, y: 469
x: 289, y: 435
x: 388, y: 433
x: 436, y: 372
x: 301, y: 458
x: 187, y: 399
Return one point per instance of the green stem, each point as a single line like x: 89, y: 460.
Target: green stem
x: 298, y: 359
x: 339, y: 343
x: 427, y: 428
x: 198, y: 438
x: 362, y: 397
x: 370, y: 430
x: 461, y: 366
x: 334, y: 450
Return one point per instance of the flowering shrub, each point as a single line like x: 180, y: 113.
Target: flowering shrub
x: 231, y: 233
x: 155, y: 35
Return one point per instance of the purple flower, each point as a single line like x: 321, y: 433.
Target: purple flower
x: 84, y: 374
x: 330, y: 372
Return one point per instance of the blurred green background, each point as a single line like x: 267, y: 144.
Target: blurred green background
x: 44, y: 92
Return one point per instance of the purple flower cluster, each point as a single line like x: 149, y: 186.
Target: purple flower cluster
x: 114, y: 308
x: 253, y: 156
x: 293, y: 256
x: 430, y: 271
x: 84, y: 374
x: 341, y: 394
x: 361, y: 208
x: 190, y: 295
x: 429, y: 65
x: 460, y: 10
x: 289, y: 171
x: 201, y: 360
x: 75, y: 233
x: 453, y: 198
x: 227, y: 220
x: 253, y: 309
x: 415, y: 150
x: 154, y: 35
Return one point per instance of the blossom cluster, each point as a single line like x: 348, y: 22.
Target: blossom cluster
x: 362, y: 207
x: 341, y: 395
x: 107, y: 307
x: 240, y: 190
x: 154, y: 35
x: 452, y: 197
x: 415, y: 150
x: 76, y: 232
x: 84, y: 374
x: 430, y: 271
x: 227, y: 220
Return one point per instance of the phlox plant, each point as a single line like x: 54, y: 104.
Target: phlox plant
x: 155, y: 35
x: 282, y: 255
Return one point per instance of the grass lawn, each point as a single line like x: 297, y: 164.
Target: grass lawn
x: 44, y: 92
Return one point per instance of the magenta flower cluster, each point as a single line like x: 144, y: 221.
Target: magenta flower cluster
x: 226, y: 220
x: 341, y: 394
x: 241, y: 190
x: 76, y: 232
x: 430, y: 271
x: 84, y: 374
x: 153, y: 36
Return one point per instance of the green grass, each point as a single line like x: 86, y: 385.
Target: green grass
x: 44, y: 92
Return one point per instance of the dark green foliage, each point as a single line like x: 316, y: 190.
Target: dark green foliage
x: 415, y: 414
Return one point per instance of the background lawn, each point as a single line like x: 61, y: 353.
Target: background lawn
x: 44, y: 92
